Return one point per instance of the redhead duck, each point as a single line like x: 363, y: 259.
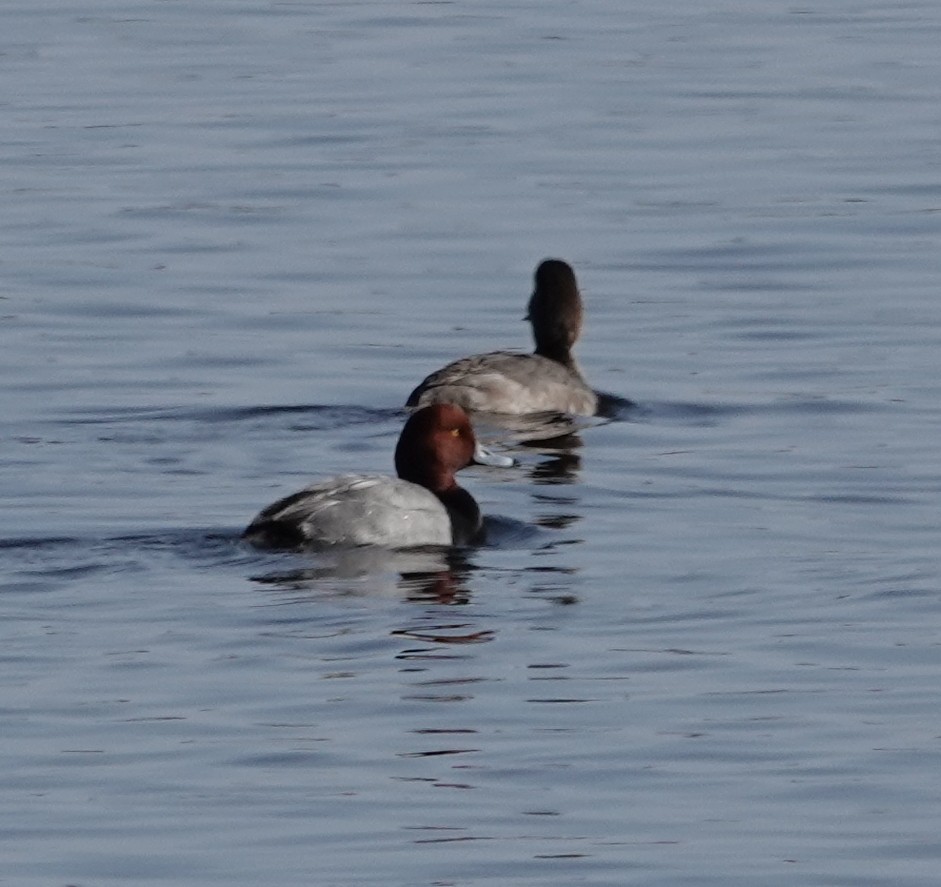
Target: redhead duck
x: 508, y: 382
x: 422, y: 506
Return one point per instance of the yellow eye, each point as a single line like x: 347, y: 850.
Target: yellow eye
x: 455, y: 432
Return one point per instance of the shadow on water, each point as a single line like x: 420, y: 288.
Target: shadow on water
x: 612, y: 406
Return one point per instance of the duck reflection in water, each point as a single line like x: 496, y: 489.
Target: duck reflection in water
x: 561, y: 460
x: 431, y: 575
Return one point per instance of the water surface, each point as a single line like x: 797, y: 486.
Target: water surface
x: 701, y: 646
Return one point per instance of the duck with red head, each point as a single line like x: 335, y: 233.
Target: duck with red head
x: 424, y: 505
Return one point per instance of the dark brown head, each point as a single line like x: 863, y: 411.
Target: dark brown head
x: 435, y: 442
x: 555, y: 310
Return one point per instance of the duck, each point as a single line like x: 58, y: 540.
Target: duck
x: 509, y: 382
x: 422, y: 506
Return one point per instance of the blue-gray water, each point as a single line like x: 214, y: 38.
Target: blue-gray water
x: 704, y: 644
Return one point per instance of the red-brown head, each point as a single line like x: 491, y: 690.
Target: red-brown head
x: 436, y: 442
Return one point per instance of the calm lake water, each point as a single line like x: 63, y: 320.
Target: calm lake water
x: 703, y: 645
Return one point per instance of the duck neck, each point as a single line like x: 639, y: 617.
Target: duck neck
x: 466, y: 522
x: 557, y: 351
